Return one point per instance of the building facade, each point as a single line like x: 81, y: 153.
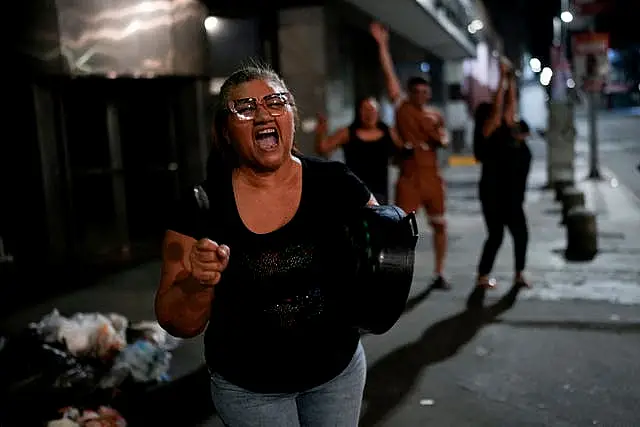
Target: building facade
x: 115, y: 100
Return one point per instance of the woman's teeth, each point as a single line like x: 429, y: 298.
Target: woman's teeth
x: 267, y: 139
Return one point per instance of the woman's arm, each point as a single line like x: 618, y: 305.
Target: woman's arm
x: 511, y: 105
x: 182, y: 303
x: 326, y: 144
x: 495, y: 118
x: 395, y: 137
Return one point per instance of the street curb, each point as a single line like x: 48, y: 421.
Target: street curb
x: 455, y: 160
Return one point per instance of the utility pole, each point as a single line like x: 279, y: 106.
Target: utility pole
x: 593, y: 97
x: 561, y: 128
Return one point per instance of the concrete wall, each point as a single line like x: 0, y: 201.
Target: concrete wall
x: 231, y: 44
x: 329, y: 60
x: 304, y: 63
x: 340, y: 88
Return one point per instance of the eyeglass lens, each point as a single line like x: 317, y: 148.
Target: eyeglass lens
x: 247, y: 108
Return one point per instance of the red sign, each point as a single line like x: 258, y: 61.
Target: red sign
x: 590, y: 43
x: 591, y: 62
x: 590, y: 7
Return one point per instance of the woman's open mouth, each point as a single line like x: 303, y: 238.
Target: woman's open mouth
x: 267, y: 139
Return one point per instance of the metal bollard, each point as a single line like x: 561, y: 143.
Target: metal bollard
x: 582, y: 235
x: 559, y: 187
x: 571, y: 198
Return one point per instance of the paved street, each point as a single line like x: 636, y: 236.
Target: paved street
x: 562, y: 354
x: 542, y: 362
x: 619, y: 143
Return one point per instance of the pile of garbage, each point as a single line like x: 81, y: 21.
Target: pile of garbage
x: 83, y: 361
x: 103, y: 417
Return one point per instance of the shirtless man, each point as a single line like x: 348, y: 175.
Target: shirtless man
x: 423, y: 132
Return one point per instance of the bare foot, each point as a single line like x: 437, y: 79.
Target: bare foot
x: 521, y: 281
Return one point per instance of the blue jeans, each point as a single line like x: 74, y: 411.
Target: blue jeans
x: 335, y: 403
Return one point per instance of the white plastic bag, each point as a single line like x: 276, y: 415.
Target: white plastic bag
x: 85, y: 334
x: 158, y: 336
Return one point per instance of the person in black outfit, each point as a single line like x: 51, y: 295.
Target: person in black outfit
x: 367, y: 144
x: 500, y: 145
x: 262, y: 269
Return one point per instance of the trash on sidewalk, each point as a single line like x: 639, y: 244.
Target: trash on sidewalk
x: 27, y: 363
x: 64, y: 422
x: 103, y: 417
x: 143, y: 361
x: 153, y: 332
x: 85, y: 334
x: 83, y: 360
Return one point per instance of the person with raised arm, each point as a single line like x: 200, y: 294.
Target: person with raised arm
x: 422, y: 131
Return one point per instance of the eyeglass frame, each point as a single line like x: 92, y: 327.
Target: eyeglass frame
x: 286, y: 96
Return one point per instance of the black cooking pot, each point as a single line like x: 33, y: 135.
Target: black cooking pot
x: 383, y: 241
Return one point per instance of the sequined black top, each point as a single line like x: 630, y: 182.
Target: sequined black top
x: 277, y: 324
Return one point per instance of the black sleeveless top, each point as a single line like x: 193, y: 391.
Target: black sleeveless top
x: 276, y: 322
x: 369, y: 160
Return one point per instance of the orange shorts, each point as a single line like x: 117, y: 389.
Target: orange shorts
x: 422, y: 189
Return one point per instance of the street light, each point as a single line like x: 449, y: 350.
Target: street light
x: 211, y: 23
x: 566, y: 16
x: 535, y: 65
x: 545, y: 76
x: 475, y: 26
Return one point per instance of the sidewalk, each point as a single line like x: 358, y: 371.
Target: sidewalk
x: 564, y: 355
x: 180, y: 401
x: 542, y: 361
x: 614, y: 275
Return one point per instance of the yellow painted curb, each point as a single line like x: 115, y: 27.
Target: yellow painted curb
x: 462, y: 161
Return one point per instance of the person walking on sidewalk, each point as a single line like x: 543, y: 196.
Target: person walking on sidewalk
x: 367, y: 143
x: 422, y: 132
x: 500, y: 145
x: 279, y: 349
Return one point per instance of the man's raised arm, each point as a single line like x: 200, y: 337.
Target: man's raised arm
x: 381, y: 35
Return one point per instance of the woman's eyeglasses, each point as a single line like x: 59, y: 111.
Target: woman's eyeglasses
x: 247, y: 108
